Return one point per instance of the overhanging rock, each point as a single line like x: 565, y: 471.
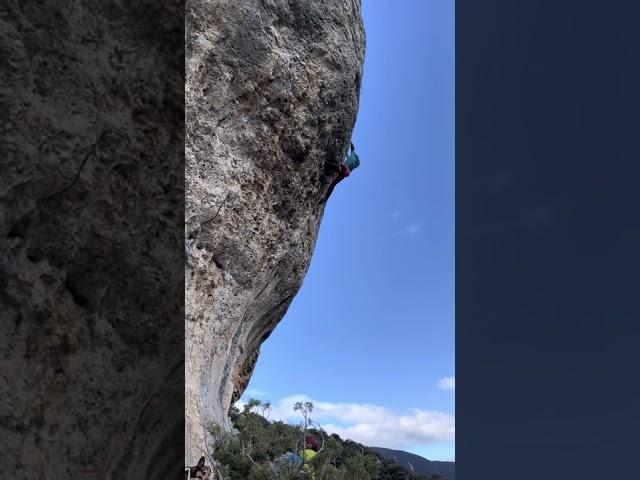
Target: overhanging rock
x: 272, y: 90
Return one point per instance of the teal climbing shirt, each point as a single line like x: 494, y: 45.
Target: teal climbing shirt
x: 352, y: 161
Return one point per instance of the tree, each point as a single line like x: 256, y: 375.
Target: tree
x: 251, y: 404
x: 305, y: 408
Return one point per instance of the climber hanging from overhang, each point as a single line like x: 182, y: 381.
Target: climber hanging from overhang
x: 350, y: 163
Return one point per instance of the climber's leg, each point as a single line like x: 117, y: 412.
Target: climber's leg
x: 329, y: 192
x: 343, y: 173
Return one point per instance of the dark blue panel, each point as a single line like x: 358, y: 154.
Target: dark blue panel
x: 547, y: 239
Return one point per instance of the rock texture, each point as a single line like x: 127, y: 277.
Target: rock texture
x: 91, y: 239
x: 272, y: 89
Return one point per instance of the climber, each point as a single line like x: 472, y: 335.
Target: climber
x: 349, y: 165
x: 311, y: 449
x: 312, y: 446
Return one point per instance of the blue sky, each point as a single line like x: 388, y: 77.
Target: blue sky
x: 370, y: 336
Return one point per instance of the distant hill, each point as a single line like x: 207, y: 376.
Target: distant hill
x: 419, y: 464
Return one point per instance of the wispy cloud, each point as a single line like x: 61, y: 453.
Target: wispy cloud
x: 410, y: 230
x: 372, y: 424
x: 396, y: 214
x: 447, y: 383
x: 255, y: 393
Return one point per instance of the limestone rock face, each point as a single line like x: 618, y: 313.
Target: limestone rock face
x: 272, y: 90
x: 91, y: 239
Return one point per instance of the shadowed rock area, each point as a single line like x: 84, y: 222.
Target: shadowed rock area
x: 272, y: 90
x: 91, y: 239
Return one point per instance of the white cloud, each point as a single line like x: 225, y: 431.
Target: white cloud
x: 410, y: 230
x: 371, y: 424
x: 395, y: 214
x: 448, y: 383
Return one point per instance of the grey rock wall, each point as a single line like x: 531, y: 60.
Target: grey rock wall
x: 272, y: 89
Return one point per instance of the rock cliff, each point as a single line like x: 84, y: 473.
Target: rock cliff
x: 272, y: 90
x: 91, y: 239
